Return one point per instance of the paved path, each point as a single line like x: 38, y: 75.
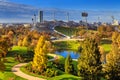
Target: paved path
x: 65, y: 39
x: 16, y: 70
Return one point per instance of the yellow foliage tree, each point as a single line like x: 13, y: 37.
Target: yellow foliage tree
x: 20, y: 43
x: 103, y: 54
x: 4, y: 45
x: 40, y: 57
x: 114, y: 36
x: 112, y: 67
x: 118, y: 40
x: 25, y: 41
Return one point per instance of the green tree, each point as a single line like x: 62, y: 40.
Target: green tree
x: 112, y: 67
x: 68, y: 65
x: 89, y: 64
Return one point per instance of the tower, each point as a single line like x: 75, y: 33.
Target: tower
x: 35, y: 18
x: 68, y: 16
x: 40, y: 16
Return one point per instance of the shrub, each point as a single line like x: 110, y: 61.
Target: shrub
x: 19, y: 58
x: 68, y: 65
x: 29, y: 67
x: 50, y: 72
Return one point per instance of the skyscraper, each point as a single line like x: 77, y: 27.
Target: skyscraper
x: 40, y: 16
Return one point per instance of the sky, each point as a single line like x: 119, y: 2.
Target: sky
x: 72, y: 4
x: 22, y: 10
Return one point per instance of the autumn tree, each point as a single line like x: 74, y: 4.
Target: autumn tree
x: 103, y: 54
x: 89, y: 64
x: 118, y: 40
x: 20, y: 43
x: 4, y: 45
x: 105, y: 31
x: 40, y: 57
x: 114, y: 36
x: 68, y: 65
x: 101, y: 29
x: 25, y: 41
x: 82, y: 32
x: 112, y: 67
x: 97, y: 37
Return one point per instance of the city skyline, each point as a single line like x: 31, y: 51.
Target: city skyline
x: 23, y: 11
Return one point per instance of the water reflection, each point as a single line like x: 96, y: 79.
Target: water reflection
x: 64, y: 53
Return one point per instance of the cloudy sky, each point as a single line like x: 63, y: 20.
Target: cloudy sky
x: 73, y: 4
x: 23, y: 10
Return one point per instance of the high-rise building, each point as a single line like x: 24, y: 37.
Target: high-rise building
x: 40, y: 16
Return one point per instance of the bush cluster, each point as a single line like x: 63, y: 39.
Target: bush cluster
x: 51, y: 71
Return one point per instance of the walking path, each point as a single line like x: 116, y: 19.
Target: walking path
x: 65, y: 39
x: 16, y: 70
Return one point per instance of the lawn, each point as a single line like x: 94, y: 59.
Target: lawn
x: 67, y: 45
x: 65, y: 77
x: 19, y: 49
x: 106, y: 44
x: 106, y: 47
x: 67, y: 31
x: 7, y: 74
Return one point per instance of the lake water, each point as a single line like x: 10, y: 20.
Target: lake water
x: 64, y: 53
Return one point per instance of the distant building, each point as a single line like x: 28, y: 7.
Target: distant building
x: 40, y: 16
x: 1, y: 26
x: 27, y: 25
x: 115, y: 22
x: 104, y: 24
x: 9, y: 25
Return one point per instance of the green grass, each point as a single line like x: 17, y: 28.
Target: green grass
x: 106, y: 47
x: 7, y: 74
x: 67, y: 31
x: 67, y: 45
x: 19, y: 49
x: 106, y: 44
x: 65, y: 77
